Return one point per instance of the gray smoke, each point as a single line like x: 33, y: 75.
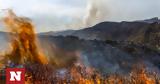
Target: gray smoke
x: 96, y: 12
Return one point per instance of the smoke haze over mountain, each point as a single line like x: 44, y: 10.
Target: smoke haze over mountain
x: 72, y: 14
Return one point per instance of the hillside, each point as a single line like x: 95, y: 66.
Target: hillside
x: 145, y: 32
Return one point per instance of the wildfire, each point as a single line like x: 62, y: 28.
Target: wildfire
x: 23, y: 42
x: 38, y: 70
x: 79, y: 75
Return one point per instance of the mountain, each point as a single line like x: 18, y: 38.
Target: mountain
x: 128, y: 31
x: 137, y: 32
x: 152, y: 20
x: 140, y: 32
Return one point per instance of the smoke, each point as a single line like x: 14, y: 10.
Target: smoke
x: 96, y: 12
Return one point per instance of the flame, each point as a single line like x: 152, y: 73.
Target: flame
x: 24, y: 47
x: 80, y: 75
x: 24, y: 50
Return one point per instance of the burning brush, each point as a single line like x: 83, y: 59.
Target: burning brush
x: 39, y: 70
x: 23, y: 41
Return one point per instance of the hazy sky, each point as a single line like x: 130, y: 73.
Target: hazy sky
x: 53, y: 15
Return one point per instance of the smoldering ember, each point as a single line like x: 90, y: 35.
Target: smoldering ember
x: 107, y: 53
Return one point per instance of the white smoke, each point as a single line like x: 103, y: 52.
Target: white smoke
x: 96, y: 12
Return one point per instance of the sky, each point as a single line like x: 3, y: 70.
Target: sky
x: 57, y: 15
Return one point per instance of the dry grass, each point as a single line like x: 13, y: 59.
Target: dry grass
x: 80, y: 75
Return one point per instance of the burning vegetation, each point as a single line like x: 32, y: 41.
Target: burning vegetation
x: 39, y: 69
x: 23, y: 41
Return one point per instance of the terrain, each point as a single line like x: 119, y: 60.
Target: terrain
x: 108, y: 47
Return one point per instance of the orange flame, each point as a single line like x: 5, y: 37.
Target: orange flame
x: 24, y: 48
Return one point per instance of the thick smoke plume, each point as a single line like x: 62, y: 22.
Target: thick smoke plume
x: 95, y: 12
